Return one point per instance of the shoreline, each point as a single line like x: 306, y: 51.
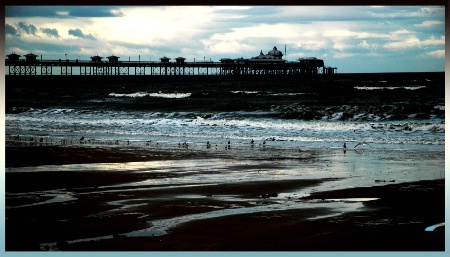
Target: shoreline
x: 215, y: 202
x: 106, y: 151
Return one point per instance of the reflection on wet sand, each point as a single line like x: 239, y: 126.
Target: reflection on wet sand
x: 101, y: 202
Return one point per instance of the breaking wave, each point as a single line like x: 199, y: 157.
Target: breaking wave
x: 402, y: 112
x: 390, y: 88
x: 145, y: 94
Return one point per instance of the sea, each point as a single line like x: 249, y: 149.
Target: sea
x: 296, y: 128
x: 391, y: 111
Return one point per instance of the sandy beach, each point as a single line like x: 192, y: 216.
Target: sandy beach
x: 90, y: 198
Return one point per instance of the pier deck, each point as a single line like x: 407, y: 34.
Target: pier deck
x: 150, y: 68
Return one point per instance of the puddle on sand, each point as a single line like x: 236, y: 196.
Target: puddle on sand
x: 55, y: 198
x: 54, y: 246
x: 163, y: 226
x: 349, y: 200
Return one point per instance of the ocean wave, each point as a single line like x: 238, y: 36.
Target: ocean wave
x: 225, y: 94
x: 34, y: 111
x: 240, y: 127
x: 15, y: 110
x: 390, y: 88
x: 275, y: 122
x: 439, y: 107
x: 244, y: 92
x: 287, y: 94
x: 146, y: 94
x: 238, y: 93
x: 359, y: 113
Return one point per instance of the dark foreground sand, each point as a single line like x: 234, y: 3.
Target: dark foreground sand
x: 396, y: 221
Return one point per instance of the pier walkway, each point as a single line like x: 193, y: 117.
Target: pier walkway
x: 150, y: 68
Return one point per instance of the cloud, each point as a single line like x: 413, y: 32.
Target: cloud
x: 78, y: 33
x: 405, y: 12
x: 408, y: 43
x: 62, y: 11
x: 339, y: 33
x: 343, y: 55
x: 29, y: 29
x: 431, y: 10
x: 92, y: 11
x: 341, y: 46
x: 433, y: 41
x: 437, y: 53
x: 364, y: 44
x: 50, y: 32
x: 313, y: 45
x: 428, y: 24
x: 413, y: 42
x: 10, y: 30
x: 226, y: 47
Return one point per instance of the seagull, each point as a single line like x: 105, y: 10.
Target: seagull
x: 362, y: 143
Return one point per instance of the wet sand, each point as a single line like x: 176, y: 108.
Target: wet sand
x: 71, y: 199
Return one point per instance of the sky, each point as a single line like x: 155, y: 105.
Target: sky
x: 354, y: 39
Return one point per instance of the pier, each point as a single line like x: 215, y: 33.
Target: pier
x: 124, y: 68
x: 270, y: 64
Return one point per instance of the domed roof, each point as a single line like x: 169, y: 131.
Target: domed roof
x: 275, y: 52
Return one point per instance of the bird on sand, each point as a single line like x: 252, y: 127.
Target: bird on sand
x: 362, y: 144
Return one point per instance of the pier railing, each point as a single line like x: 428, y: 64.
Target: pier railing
x: 155, y: 68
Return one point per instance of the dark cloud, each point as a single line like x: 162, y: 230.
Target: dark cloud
x: 94, y: 11
x: 62, y: 11
x: 27, y: 28
x: 50, y: 32
x: 78, y: 33
x: 46, y: 49
x: 10, y: 30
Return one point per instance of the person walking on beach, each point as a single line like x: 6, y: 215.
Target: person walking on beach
x: 345, y: 148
